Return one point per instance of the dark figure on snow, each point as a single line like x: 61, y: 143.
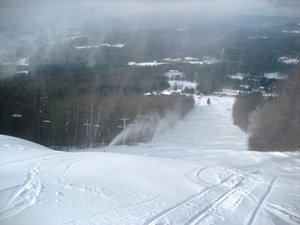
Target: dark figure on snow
x: 208, y: 101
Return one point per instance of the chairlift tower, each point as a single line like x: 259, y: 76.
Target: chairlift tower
x: 88, y: 130
x: 124, y: 127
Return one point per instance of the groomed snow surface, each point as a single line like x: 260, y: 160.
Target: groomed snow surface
x: 198, y: 172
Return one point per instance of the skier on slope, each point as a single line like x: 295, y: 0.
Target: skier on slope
x: 208, y: 101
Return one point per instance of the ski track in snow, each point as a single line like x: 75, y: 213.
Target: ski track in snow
x: 261, y: 201
x: 31, y: 159
x: 24, y: 196
x: 275, y: 209
x: 114, y: 210
x: 225, y: 198
x: 191, y: 200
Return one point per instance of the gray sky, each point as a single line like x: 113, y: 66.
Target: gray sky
x: 273, y: 7
x: 41, y: 11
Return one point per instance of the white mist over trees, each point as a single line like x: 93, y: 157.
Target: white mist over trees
x: 272, y: 124
x: 243, y: 107
x: 276, y: 125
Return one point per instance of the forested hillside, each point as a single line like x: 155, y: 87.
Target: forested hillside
x: 83, y: 108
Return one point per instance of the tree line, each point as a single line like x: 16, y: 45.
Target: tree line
x: 274, y: 123
x: 80, y: 109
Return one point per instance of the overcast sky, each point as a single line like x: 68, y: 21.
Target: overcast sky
x: 39, y: 10
x: 274, y: 7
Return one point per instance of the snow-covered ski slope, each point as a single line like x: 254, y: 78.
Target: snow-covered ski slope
x: 199, y: 172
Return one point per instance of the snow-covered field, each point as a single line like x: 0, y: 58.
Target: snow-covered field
x: 190, y: 60
x: 275, y: 75
x: 199, y: 172
x: 101, y: 45
x: 181, y: 84
x: 142, y: 64
x: 288, y: 60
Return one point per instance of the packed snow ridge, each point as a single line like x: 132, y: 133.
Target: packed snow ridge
x: 197, y: 172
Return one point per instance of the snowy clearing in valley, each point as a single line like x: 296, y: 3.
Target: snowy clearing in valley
x: 189, y: 60
x: 198, y: 172
x: 101, y: 45
x: 288, y: 61
x: 181, y: 84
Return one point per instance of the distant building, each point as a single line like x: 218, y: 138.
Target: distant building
x: 16, y: 115
x: 288, y: 60
x: 174, y: 75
